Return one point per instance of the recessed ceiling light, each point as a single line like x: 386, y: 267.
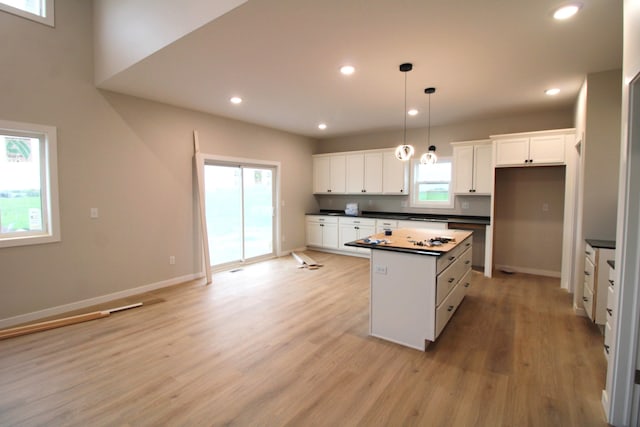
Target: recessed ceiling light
x: 347, y: 70
x: 235, y: 100
x: 553, y: 91
x: 322, y: 126
x: 412, y: 112
x: 566, y: 12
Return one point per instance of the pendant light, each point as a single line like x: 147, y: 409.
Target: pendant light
x: 404, y: 151
x: 429, y: 157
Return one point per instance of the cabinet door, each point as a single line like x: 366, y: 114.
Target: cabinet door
x: 347, y: 233
x: 330, y: 236
x: 321, y: 174
x: 463, y: 169
x: 395, y: 175
x: 363, y: 232
x: 355, y: 168
x: 314, y: 233
x: 546, y: 149
x: 512, y: 152
x: 338, y: 173
x: 373, y: 173
x: 483, y: 169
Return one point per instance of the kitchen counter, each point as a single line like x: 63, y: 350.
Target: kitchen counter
x: 461, y: 219
x: 601, y: 244
x: 414, y: 241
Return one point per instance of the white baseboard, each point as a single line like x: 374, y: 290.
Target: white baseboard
x: 53, y: 311
x: 580, y: 311
x: 534, y: 271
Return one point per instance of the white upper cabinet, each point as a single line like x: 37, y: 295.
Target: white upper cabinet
x: 395, y: 174
x: 532, y: 149
x: 364, y: 173
x: 473, y: 167
x: 329, y: 174
x: 360, y: 172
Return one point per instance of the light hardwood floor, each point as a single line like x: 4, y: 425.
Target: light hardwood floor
x: 276, y: 345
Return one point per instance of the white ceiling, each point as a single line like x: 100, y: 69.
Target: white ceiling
x: 486, y: 58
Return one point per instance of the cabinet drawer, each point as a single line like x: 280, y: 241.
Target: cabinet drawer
x: 325, y: 219
x: 448, y: 307
x: 608, y: 339
x: 365, y: 222
x: 450, y: 277
x: 589, y: 273
x: 590, y: 253
x: 587, y: 300
x: 445, y: 259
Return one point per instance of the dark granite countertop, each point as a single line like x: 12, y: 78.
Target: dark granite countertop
x: 463, y: 219
x: 601, y: 244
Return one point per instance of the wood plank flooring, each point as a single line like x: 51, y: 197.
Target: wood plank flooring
x: 275, y: 345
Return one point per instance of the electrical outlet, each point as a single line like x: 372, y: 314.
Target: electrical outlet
x: 465, y: 205
x: 545, y: 207
x: 403, y: 204
x: 380, y: 269
x: 93, y: 213
x: 172, y: 260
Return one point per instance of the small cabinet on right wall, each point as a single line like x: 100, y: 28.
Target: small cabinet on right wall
x: 473, y: 167
x: 532, y: 148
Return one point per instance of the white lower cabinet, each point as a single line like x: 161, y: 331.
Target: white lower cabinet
x: 350, y: 229
x: 386, y: 224
x: 413, y: 296
x: 596, y: 274
x: 322, y: 231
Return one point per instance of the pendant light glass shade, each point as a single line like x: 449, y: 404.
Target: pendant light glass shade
x: 404, y: 151
x: 429, y: 157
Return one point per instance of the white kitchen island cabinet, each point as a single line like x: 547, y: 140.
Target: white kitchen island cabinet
x: 415, y: 290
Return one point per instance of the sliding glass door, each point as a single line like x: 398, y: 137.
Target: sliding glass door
x: 239, y: 203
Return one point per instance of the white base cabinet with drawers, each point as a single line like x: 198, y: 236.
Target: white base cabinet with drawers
x: 350, y: 229
x: 595, y: 289
x: 322, y: 231
x: 413, y: 296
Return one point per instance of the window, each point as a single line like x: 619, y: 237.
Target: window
x: 28, y: 185
x: 432, y: 184
x: 36, y: 10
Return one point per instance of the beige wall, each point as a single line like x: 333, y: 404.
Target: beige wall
x: 602, y: 154
x: 526, y: 236
x: 130, y: 158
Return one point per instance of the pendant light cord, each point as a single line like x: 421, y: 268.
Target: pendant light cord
x: 429, y: 125
x: 404, y: 139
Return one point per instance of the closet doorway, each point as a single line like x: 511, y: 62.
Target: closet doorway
x: 240, y: 205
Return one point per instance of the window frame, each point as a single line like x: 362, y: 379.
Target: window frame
x: 49, y: 184
x: 47, y: 19
x: 415, y: 194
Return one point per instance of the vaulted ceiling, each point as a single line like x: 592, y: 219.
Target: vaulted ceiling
x: 486, y: 58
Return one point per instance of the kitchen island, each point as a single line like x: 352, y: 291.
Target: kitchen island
x: 418, y: 279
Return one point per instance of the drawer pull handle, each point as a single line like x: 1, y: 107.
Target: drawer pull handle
x: 611, y: 282
x: 451, y: 307
x: 586, y: 273
x: 606, y: 348
x: 451, y: 258
x: 451, y: 280
x: 467, y: 262
x: 466, y: 285
x: 468, y: 244
x: 321, y: 225
x: 610, y: 312
x: 585, y: 299
x: 587, y: 252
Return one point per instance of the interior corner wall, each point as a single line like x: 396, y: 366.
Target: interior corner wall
x: 529, y: 212
x: 130, y: 158
x: 601, y: 151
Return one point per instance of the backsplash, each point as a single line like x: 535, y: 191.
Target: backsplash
x: 474, y: 205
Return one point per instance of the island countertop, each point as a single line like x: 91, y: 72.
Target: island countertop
x: 413, y: 240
